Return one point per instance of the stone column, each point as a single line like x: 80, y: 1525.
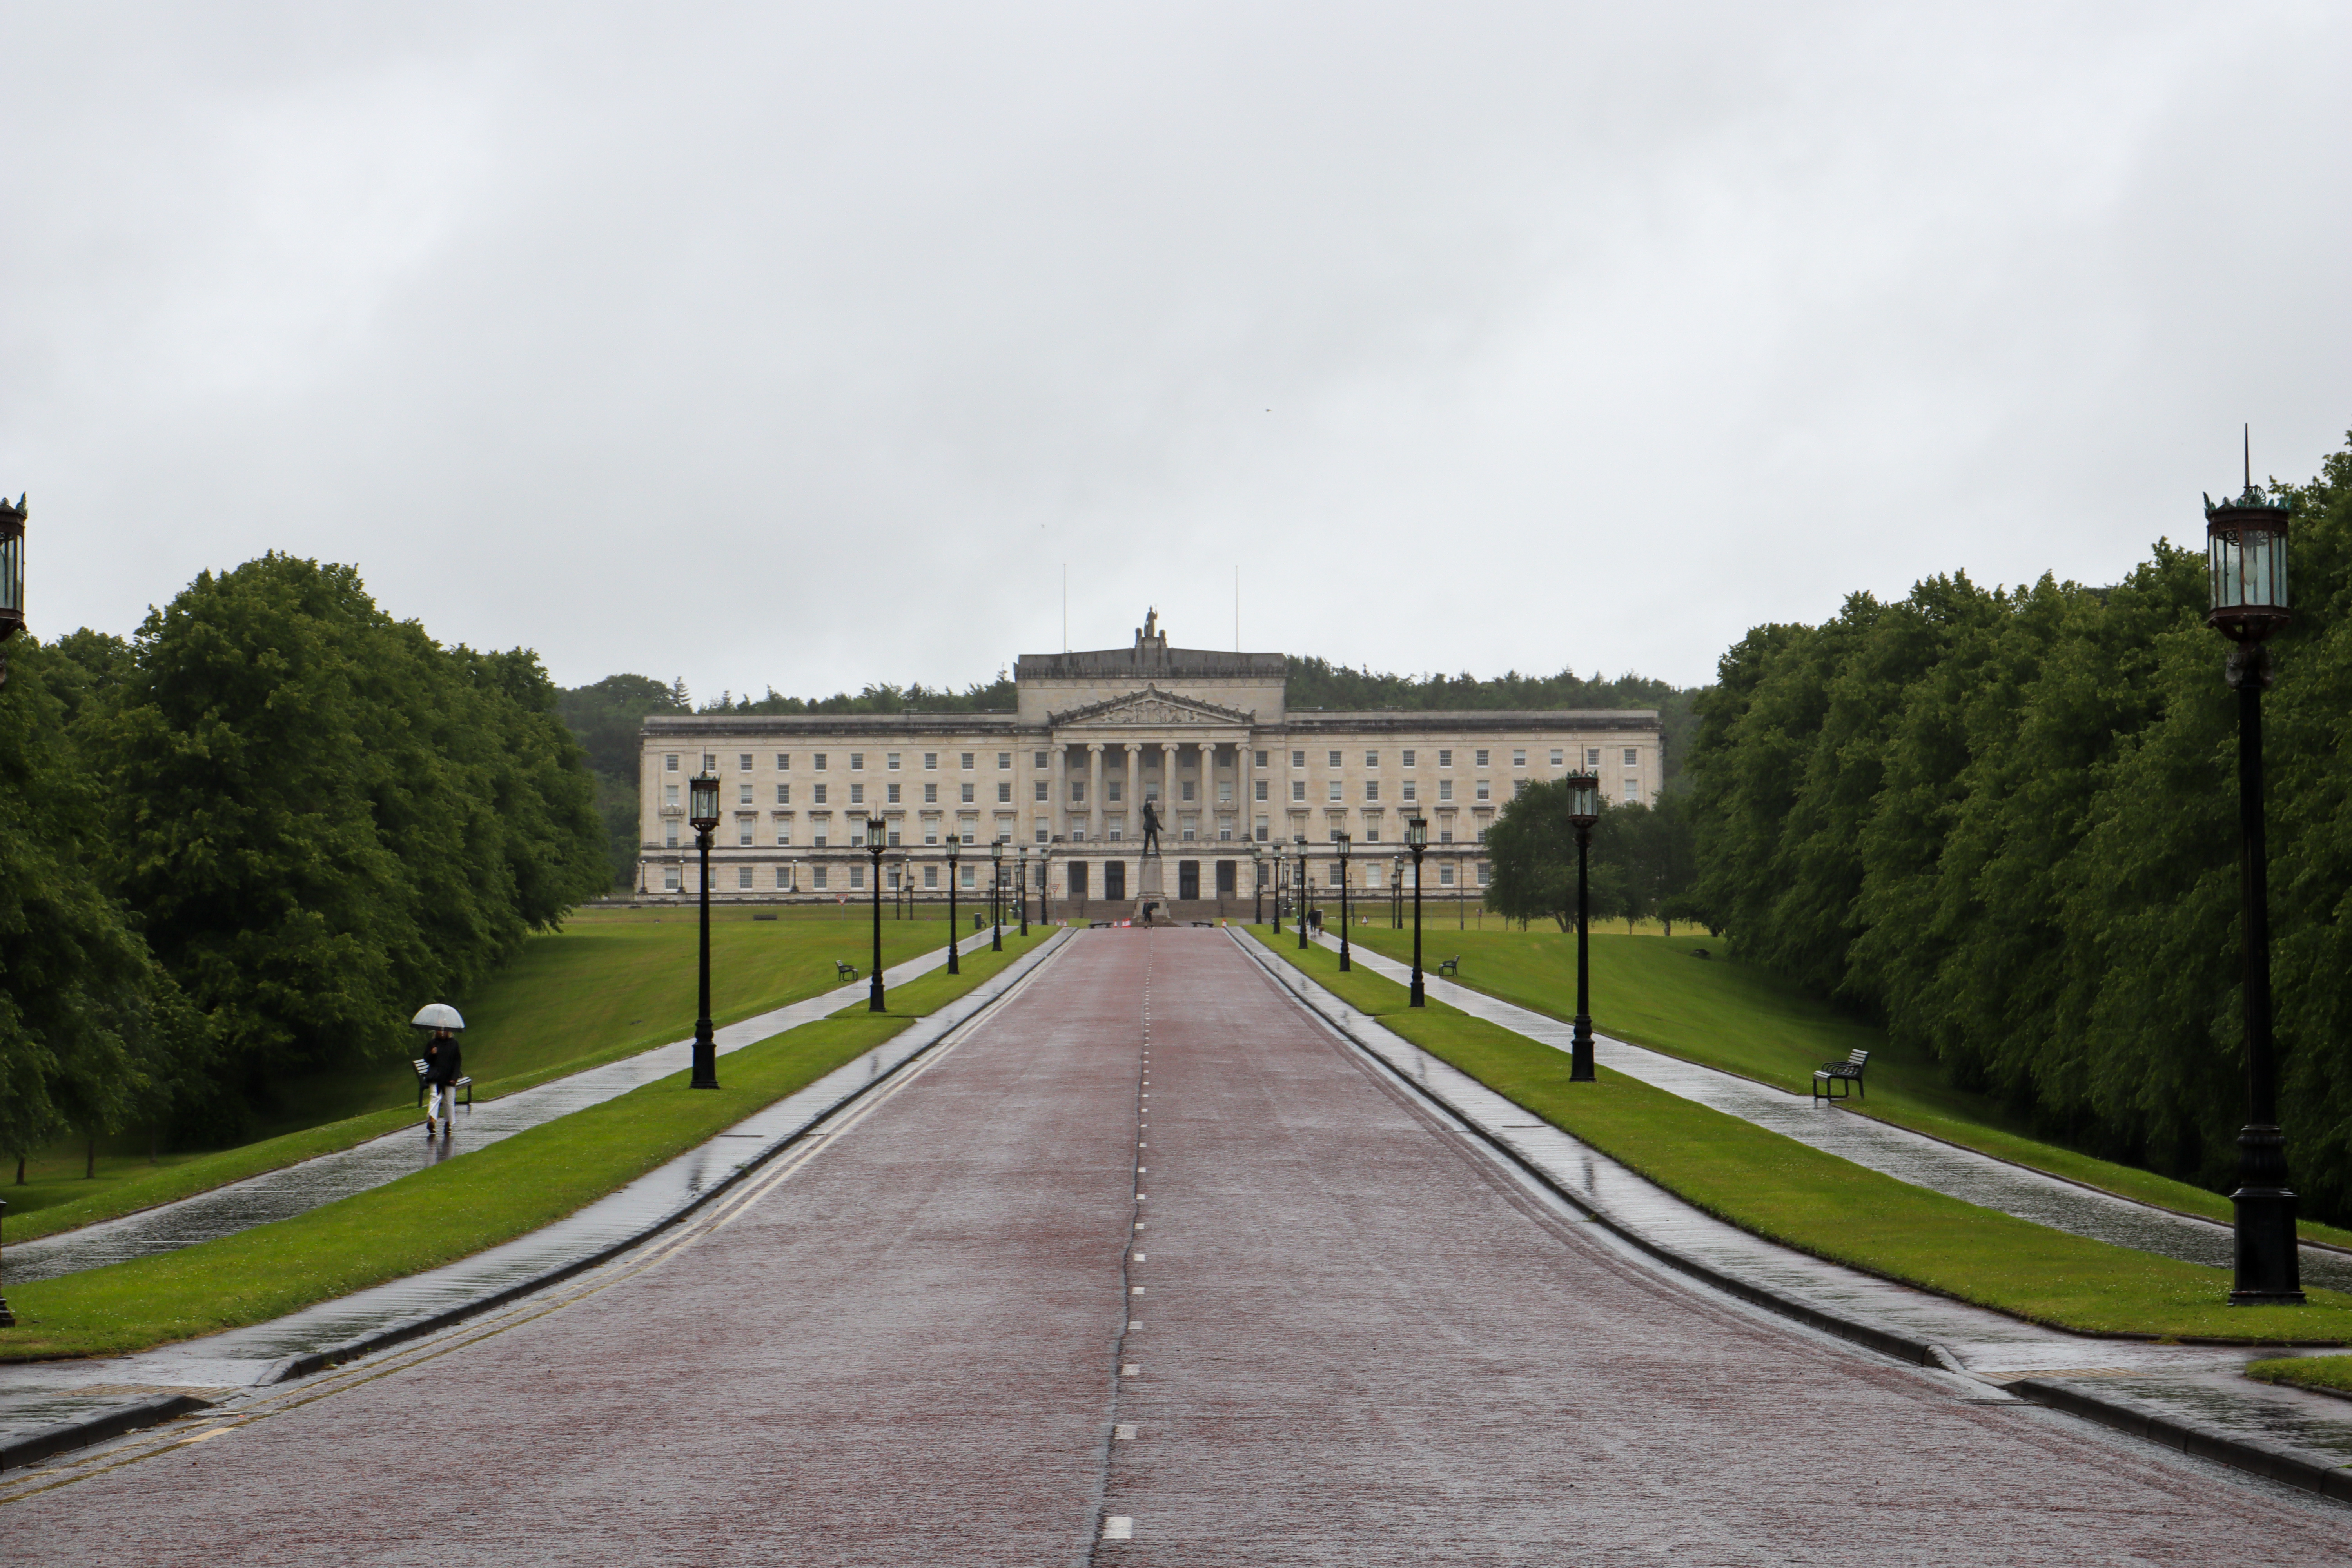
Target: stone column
x: 1057, y: 811
x: 1167, y: 784
x: 1131, y: 808
x: 1094, y: 791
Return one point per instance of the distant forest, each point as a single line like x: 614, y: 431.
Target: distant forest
x: 606, y: 715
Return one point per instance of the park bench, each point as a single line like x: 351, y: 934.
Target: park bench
x: 1830, y: 1074
x: 843, y: 971
x: 1450, y: 967
x: 464, y: 1083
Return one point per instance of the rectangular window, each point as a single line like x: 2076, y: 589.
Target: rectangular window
x: 1520, y: 757
x: 743, y: 794
x: 1372, y: 789
x: 1261, y: 830
x: 743, y: 830
x: 1632, y: 757
x: 743, y: 763
x: 743, y: 877
x: 1485, y: 873
x: 966, y: 762
x: 669, y: 795
x: 1411, y: 794
x: 1188, y: 789
x: 1224, y: 792
x: 1298, y: 789
x: 1593, y: 759
x: 1445, y: 759
x: 1482, y: 756
x: 1043, y: 790
x: 890, y: 762
x: 784, y: 762
x: 1335, y: 789
x: 967, y: 794
x: 894, y: 792
x: 1445, y: 876
x: 784, y: 879
x: 857, y: 794
x: 710, y: 762
x: 1261, y: 759
x: 783, y: 794
x: 1003, y: 760
x: 1005, y: 792
x: 858, y: 876
x: 968, y: 871
x: 1444, y: 789
x: 1556, y: 756
x: 783, y: 834
x: 1632, y: 790
x: 1335, y: 759
x: 817, y: 878
x: 1408, y: 759
x: 930, y: 876
x: 1261, y: 789
x: 1297, y: 759
x: 857, y: 761
x: 1519, y: 788
x: 670, y: 762
x: 669, y: 880
x: 1371, y: 759
x: 1077, y: 792
x: 931, y: 761
x: 820, y: 795
x: 1045, y: 760
x: 1445, y: 835
x: 670, y: 835
x: 930, y: 795
x: 1111, y: 789
x: 1485, y: 793
x: 818, y: 827
x: 818, y: 762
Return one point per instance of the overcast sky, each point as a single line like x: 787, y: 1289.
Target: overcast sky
x: 806, y: 345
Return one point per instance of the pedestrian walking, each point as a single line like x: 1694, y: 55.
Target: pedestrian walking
x: 443, y: 1065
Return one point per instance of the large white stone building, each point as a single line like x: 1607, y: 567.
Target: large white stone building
x: 1205, y: 736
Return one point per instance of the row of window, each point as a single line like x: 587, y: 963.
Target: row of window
x: 786, y: 878
x: 819, y: 762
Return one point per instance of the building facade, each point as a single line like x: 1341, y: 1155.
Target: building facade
x: 1206, y: 737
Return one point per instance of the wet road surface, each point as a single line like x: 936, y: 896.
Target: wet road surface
x: 1340, y: 1336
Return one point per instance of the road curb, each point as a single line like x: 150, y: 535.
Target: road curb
x: 116, y: 1420
x: 2272, y: 1461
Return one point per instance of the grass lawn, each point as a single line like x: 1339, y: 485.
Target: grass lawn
x: 1654, y: 992
x: 446, y: 1211
x: 2327, y: 1373
x: 1833, y: 1208
x: 611, y: 983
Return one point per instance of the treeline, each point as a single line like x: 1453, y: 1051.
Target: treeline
x: 2005, y: 823
x: 249, y: 842
x: 1640, y: 866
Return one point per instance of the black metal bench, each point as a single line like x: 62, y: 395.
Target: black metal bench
x: 1450, y: 967
x: 1829, y: 1075
x: 843, y: 971
x: 464, y: 1083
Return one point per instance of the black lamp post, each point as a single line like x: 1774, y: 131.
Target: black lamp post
x: 1396, y: 892
x: 1277, y: 889
x: 1416, y: 839
x: 702, y: 810
x: 1021, y: 880
x: 1299, y: 892
x: 996, y: 895
x: 876, y: 844
x: 2245, y: 542
x: 954, y: 967
x: 1584, y: 810
x: 1258, y: 888
x: 7, y: 1317
x: 12, y: 578
x: 1342, y: 840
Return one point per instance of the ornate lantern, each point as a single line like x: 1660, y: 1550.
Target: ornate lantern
x: 2245, y: 557
x: 1416, y: 832
x: 12, y: 574
x: 1583, y: 799
x: 702, y: 801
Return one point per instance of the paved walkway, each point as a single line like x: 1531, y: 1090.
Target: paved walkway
x: 1882, y: 1146
x: 1150, y: 1268
x: 279, y: 1195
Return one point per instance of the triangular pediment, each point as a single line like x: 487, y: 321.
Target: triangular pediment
x: 1154, y: 708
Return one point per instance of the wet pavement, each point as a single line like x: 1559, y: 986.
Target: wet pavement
x: 1147, y: 1266
x: 1896, y: 1151
x: 296, y: 1189
x: 39, y: 1394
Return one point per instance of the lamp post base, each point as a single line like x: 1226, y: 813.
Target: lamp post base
x: 2270, y: 1270
x: 706, y: 1056
x: 1580, y: 1051
x: 7, y: 1317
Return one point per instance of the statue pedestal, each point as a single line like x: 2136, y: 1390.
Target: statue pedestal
x: 1148, y: 891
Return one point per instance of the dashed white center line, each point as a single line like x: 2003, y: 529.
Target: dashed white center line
x: 1123, y: 1434
x: 1137, y: 1290
x: 1119, y: 1527
x: 1132, y: 1369
x: 1138, y: 1258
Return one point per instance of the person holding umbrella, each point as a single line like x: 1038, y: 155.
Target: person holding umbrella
x: 444, y: 1064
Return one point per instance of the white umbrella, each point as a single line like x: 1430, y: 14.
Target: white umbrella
x: 438, y: 1015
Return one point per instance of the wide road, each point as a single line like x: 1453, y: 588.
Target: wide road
x: 1336, y: 1334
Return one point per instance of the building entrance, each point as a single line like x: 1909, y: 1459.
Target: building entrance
x: 1079, y: 881
x: 1187, y: 878
x: 1226, y: 880
x: 1115, y: 880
